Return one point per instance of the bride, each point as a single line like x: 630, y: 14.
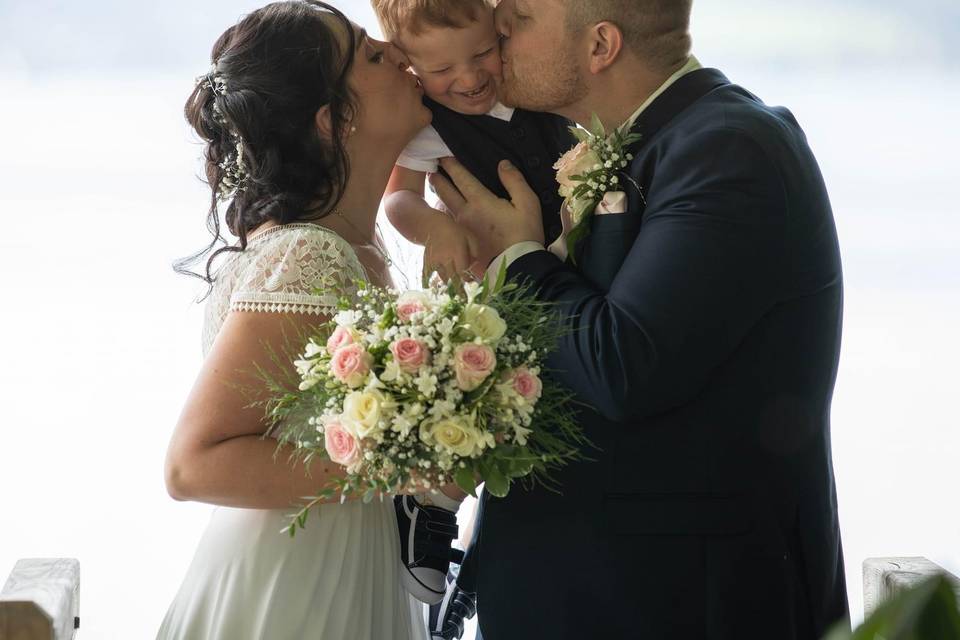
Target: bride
x: 303, y: 115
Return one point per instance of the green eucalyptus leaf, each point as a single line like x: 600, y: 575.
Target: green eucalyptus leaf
x: 496, y: 482
x: 582, y: 135
x: 576, y: 234
x: 596, y: 126
x: 520, y: 468
x: 501, y: 276
x: 465, y: 480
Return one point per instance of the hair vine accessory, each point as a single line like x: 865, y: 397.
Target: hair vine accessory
x: 235, y: 173
x: 234, y: 178
x: 214, y: 81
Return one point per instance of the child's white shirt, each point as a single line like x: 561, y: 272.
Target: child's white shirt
x: 426, y: 149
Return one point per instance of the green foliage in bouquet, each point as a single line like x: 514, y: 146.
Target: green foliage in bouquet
x: 430, y: 426
x: 927, y: 611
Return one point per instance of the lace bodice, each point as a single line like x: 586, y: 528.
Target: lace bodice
x: 281, y: 271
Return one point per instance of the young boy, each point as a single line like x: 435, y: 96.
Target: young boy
x: 454, y: 49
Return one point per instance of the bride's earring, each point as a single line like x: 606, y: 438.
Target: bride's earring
x: 353, y: 130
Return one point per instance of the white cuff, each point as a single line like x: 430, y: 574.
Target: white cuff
x: 417, y: 164
x: 512, y: 254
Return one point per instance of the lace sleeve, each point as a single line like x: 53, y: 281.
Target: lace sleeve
x: 299, y: 270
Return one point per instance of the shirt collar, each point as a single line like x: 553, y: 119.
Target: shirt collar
x: 692, y: 65
x: 501, y: 112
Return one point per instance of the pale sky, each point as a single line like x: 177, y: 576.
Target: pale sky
x: 116, y: 36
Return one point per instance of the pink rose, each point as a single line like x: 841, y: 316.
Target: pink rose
x: 341, y: 446
x: 409, y: 354
x: 410, y: 303
x: 577, y: 161
x: 527, y: 384
x: 341, y: 337
x: 351, y: 364
x: 473, y: 363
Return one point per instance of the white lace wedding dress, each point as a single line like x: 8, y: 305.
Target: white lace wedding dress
x: 339, y: 578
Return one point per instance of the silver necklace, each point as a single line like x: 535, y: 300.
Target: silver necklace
x: 375, y: 244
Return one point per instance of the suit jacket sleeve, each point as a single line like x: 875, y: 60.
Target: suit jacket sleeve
x: 705, y: 266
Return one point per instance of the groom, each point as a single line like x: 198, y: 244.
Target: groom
x: 708, y: 356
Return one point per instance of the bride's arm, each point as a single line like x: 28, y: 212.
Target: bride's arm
x: 217, y: 453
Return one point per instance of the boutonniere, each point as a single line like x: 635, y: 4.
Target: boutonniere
x: 591, y: 171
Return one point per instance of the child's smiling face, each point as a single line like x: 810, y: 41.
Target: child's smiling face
x: 459, y: 68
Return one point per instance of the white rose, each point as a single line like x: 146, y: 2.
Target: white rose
x: 453, y: 434
x: 484, y: 322
x: 361, y: 412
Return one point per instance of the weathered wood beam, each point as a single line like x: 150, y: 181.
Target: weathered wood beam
x: 41, y: 600
x: 884, y: 578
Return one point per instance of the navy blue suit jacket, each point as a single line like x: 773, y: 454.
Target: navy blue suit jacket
x: 708, y: 352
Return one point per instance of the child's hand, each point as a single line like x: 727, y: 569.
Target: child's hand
x: 450, y: 249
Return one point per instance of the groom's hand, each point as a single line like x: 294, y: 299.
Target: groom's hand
x: 497, y: 224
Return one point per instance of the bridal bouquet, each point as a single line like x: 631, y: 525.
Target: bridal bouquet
x: 430, y: 387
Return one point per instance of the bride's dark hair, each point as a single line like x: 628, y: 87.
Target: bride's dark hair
x: 271, y: 73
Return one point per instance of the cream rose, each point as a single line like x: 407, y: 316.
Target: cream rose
x: 576, y: 162
x: 351, y: 364
x: 340, y: 444
x: 484, y: 322
x: 453, y: 434
x: 473, y: 363
x: 409, y: 354
x: 361, y: 412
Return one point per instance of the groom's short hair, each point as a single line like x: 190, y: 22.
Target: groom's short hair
x: 658, y: 31
x: 414, y: 16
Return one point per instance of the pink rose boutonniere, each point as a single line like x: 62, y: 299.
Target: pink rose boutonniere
x: 590, y: 177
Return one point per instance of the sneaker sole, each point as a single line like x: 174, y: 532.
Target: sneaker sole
x: 418, y: 589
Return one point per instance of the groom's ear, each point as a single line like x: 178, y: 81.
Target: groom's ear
x: 606, y: 45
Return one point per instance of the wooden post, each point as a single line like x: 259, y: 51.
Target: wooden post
x: 884, y: 578
x: 41, y: 600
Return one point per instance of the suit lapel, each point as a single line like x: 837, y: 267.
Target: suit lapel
x: 680, y: 95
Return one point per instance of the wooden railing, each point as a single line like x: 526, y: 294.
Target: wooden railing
x: 884, y: 578
x: 41, y: 600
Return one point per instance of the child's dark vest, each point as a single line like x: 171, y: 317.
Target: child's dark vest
x: 531, y: 141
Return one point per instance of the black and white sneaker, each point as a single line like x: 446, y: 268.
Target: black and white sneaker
x: 425, y: 553
x: 448, y: 618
